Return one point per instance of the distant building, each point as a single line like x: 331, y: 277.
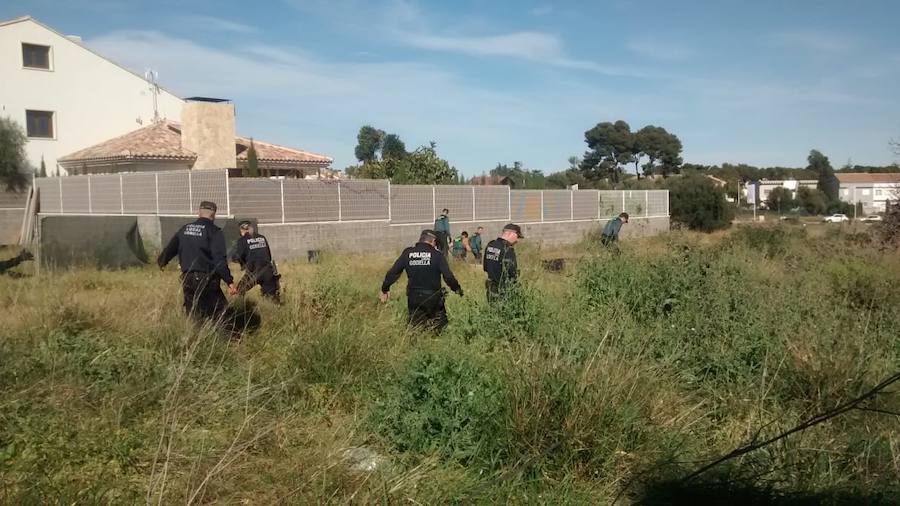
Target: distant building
x: 873, y: 190
x: 205, y: 139
x: 765, y: 187
x: 66, y: 96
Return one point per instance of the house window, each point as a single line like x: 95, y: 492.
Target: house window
x: 39, y: 124
x: 866, y: 192
x: 35, y: 56
x: 877, y: 193
x: 845, y: 191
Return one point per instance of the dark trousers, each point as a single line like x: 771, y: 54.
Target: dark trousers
x: 203, y: 297
x: 267, y: 280
x: 442, y: 244
x: 426, y: 309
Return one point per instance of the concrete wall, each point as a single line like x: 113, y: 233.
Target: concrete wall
x: 208, y: 130
x: 92, y: 99
x: 12, y: 212
x: 294, y: 240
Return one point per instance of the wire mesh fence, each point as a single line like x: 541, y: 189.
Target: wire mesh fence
x: 271, y: 201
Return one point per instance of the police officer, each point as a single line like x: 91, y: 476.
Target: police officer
x: 200, y: 247
x: 424, y: 265
x: 500, y: 262
x: 442, y: 229
x: 252, y: 253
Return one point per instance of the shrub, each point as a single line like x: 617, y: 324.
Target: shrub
x: 812, y: 201
x: 699, y: 204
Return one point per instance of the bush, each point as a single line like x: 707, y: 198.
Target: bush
x: 699, y: 204
x: 812, y: 201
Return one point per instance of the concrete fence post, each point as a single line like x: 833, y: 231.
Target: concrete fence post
x: 542, y: 206
x: 156, y: 185
x: 227, y: 194
x: 509, y: 202
x: 473, y: 203
x: 122, y: 194
x: 190, y: 192
x: 623, y: 201
x: 390, y: 216
x: 646, y: 202
x: 599, y: 206
x: 282, y: 198
x: 90, y: 197
x: 340, y: 203
x: 571, y: 205
x: 59, y: 180
x: 433, y: 204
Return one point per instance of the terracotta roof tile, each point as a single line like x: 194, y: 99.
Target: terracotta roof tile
x: 863, y: 177
x: 157, y: 141
x: 275, y: 153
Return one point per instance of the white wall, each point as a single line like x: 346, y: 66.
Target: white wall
x: 93, y: 98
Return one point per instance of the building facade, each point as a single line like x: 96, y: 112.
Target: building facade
x: 872, y: 190
x: 66, y: 96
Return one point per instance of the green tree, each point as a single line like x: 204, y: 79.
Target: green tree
x: 661, y: 148
x: 368, y: 143
x: 812, y: 201
x: 252, y: 161
x: 780, y: 199
x: 521, y: 177
x: 611, y: 147
x: 424, y: 166
x: 698, y: 203
x: 827, y: 181
x: 393, y: 147
x: 14, y: 166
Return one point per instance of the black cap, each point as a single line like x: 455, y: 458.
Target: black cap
x: 515, y: 228
x: 209, y: 206
x: 245, y: 224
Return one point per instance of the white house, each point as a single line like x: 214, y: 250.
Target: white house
x: 68, y: 97
x: 871, y: 189
x: 765, y: 187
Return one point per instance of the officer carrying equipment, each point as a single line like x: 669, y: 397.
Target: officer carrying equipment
x: 254, y: 256
x: 200, y: 247
x: 424, y: 266
x: 500, y: 262
x: 442, y: 231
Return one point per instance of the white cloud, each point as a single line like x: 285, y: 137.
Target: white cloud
x: 212, y: 23
x: 657, y: 50
x: 817, y: 41
x: 525, y: 45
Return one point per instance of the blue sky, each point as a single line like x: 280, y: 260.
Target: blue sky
x: 490, y: 81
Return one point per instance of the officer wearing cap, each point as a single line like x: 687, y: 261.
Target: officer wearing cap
x: 254, y: 256
x: 424, y: 265
x: 200, y: 247
x: 500, y: 261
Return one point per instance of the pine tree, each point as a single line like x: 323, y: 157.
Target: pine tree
x: 43, y: 172
x: 252, y: 161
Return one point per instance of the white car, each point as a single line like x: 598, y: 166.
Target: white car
x: 872, y: 217
x: 836, y: 218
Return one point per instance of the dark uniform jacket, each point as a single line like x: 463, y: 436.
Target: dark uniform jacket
x: 200, y: 247
x: 612, y: 228
x: 500, y: 262
x: 252, y: 253
x: 424, y: 266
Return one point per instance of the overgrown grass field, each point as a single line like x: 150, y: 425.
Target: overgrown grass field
x: 621, y: 374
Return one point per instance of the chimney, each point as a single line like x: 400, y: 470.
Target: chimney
x: 207, y: 128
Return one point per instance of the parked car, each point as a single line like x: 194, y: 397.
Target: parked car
x: 872, y: 218
x: 836, y: 218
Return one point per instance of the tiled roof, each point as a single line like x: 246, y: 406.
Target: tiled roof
x: 159, y: 141
x: 162, y: 141
x: 274, y: 153
x: 863, y: 177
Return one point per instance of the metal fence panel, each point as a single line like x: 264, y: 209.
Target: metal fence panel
x: 585, y: 204
x: 412, y: 204
x: 526, y: 205
x: 75, y: 195
x: 364, y: 200
x: 658, y: 202
x: 106, y: 197
x: 49, y: 195
x: 492, y: 202
x: 636, y: 202
x: 306, y: 201
x: 610, y: 203
x: 209, y: 185
x: 557, y: 205
x: 175, y: 193
x: 139, y: 193
x: 456, y: 199
x: 256, y: 198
